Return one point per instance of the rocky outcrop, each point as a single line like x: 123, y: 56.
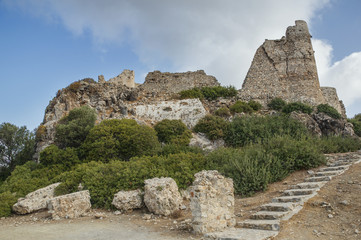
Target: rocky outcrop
x: 212, y: 202
x: 35, y: 201
x: 166, y: 82
x: 286, y: 69
x: 201, y: 141
x: 308, y: 121
x: 69, y: 206
x: 161, y: 196
x: 330, y: 126
x: 128, y: 200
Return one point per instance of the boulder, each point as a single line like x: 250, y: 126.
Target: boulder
x: 308, y: 121
x: 332, y: 126
x: 161, y: 196
x: 71, y: 205
x: 35, y: 201
x: 212, y: 202
x: 200, y: 140
x: 128, y: 200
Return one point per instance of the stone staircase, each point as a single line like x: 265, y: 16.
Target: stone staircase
x: 265, y: 223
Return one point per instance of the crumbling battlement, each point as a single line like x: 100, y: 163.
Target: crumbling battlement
x: 125, y: 78
x: 166, y: 82
x: 286, y: 68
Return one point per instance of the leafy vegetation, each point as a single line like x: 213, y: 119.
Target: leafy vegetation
x: 297, y: 106
x: 173, y: 131
x: 356, y: 121
x: 256, y: 106
x: 241, y: 107
x: 72, y: 129
x: 223, y: 112
x: 335, y: 144
x: 213, y: 127
x: 330, y: 111
x: 277, y: 104
x: 209, y: 93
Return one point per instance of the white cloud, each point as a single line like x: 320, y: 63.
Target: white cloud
x: 219, y: 36
x: 344, y: 75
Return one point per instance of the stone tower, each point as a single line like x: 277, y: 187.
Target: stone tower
x: 285, y: 68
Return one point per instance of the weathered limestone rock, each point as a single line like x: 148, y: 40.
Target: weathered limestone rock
x: 187, y: 110
x: 35, y: 201
x: 126, y: 78
x: 308, y: 121
x: 286, y: 68
x: 212, y: 202
x: 72, y: 205
x: 128, y: 200
x: 161, y: 196
x: 331, y: 126
x: 166, y: 82
x: 200, y: 140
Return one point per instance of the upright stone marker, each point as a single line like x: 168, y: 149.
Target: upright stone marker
x: 212, y: 202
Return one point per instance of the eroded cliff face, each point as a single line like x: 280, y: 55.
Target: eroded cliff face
x: 120, y: 98
x: 286, y: 68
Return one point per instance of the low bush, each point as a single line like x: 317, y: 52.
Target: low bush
x: 356, y: 121
x: 277, y: 104
x: 254, y: 129
x: 209, y: 93
x: 213, y: 127
x: 335, y: 144
x: 103, y: 180
x: 256, y: 106
x: 222, y: 112
x: 174, y: 131
x: 116, y: 139
x: 241, y: 107
x: 176, y: 148
x: 297, y: 106
x: 52, y: 155
x: 7, y: 199
x: 330, y: 111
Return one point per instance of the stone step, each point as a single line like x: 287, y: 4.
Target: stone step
x: 339, y: 168
x: 328, y: 173
x: 241, y: 234
x: 271, y: 225
x: 318, y: 179
x: 278, y: 207
x: 297, y: 192
x: 338, y: 164
x: 294, y: 199
x: 267, y: 215
x: 306, y: 185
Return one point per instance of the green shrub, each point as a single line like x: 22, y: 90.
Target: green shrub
x: 119, y: 139
x: 330, y: 111
x: 7, y: 199
x: 222, y: 112
x: 213, y: 127
x: 52, y: 155
x: 241, y: 107
x: 335, y: 144
x: 209, y: 93
x: 176, y: 148
x: 277, y: 104
x: 174, y: 131
x: 253, y: 129
x: 256, y: 106
x: 297, y: 106
x: 103, y: 180
x: 72, y: 129
x: 356, y: 121
x: 40, y: 132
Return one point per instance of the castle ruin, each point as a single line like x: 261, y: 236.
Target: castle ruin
x: 286, y: 68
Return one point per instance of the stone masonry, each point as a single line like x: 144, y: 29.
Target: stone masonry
x: 166, y: 82
x: 126, y: 78
x: 212, y: 202
x: 286, y: 68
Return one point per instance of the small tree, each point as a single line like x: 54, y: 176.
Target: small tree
x: 213, y: 126
x: 72, y: 129
x: 16, y: 147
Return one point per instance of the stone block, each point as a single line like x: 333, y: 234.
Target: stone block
x: 161, y: 196
x: 212, y: 202
x: 128, y: 200
x: 35, y: 201
x: 71, y: 205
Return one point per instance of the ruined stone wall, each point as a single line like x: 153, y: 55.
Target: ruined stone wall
x: 166, y: 82
x: 126, y: 78
x: 331, y: 98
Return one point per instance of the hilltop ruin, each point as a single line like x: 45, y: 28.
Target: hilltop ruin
x: 286, y: 68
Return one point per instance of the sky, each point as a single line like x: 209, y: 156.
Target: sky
x: 47, y: 44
